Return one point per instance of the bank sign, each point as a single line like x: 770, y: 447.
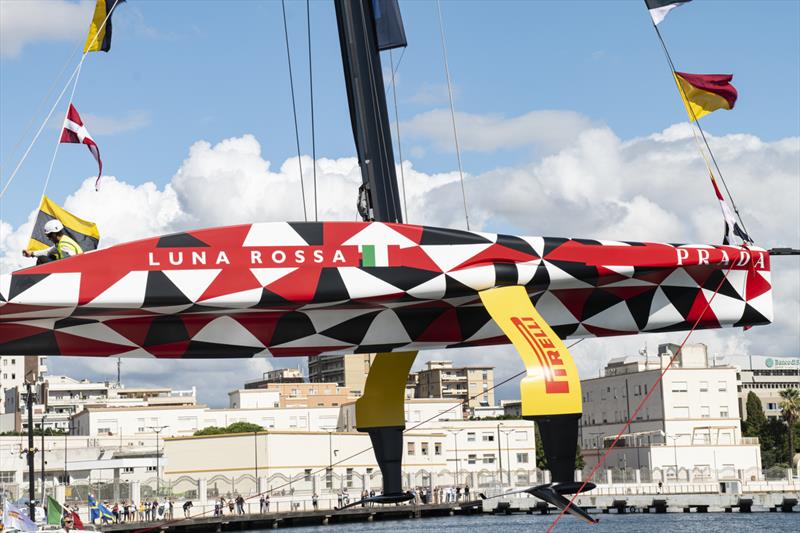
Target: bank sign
x: 760, y: 362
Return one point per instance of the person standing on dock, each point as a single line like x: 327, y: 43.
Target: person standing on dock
x: 466, y: 492
x: 187, y: 509
x: 262, y: 505
x: 315, y: 501
x: 267, y: 500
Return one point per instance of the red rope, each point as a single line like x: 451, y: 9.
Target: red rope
x: 641, y: 403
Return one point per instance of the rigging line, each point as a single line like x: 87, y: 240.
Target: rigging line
x: 452, y: 112
x: 52, y: 88
x: 61, y: 95
x: 311, y: 91
x: 399, y: 145
x: 356, y: 454
x: 58, y: 138
x: 632, y: 417
x: 294, y: 112
x: 702, y: 133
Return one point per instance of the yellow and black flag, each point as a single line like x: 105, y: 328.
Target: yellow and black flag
x: 85, y: 233
x: 99, y: 38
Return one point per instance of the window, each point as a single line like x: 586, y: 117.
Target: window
x: 329, y: 478
x: 680, y: 411
x: 307, y: 474
x: 679, y: 386
x: 704, y: 386
x: 705, y: 411
x: 7, y: 476
x: 520, y: 436
x: 424, y: 448
x: 772, y: 406
x: 722, y: 386
x: 488, y: 437
x: 522, y: 457
x: 488, y: 458
x: 472, y: 459
x: 349, y: 478
x: 723, y: 411
x: 151, y: 469
x: 437, y: 448
x: 128, y: 470
x: 411, y: 448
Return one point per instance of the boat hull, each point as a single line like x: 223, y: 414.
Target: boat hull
x: 290, y: 289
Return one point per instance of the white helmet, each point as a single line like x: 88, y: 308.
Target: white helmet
x: 53, y: 226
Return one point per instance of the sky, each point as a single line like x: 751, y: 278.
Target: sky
x: 568, y: 120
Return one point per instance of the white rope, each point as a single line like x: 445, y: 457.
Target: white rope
x: 60, y: 130
x: 75, y: 73
x: 452, y: 112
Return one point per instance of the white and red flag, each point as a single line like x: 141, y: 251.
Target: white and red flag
x: 75, y: 132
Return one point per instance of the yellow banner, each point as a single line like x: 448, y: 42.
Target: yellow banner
x: 552, y: 386
x: 698, y: 102
x: 97, y: 30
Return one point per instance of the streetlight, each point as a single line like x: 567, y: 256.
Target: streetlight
x: 500, y: 455
x: 674, y: 451
x: 44, y: 417
x: 255, y: 453
x: 455, y: 433
x: 158, y: 430
x: 508, y: 454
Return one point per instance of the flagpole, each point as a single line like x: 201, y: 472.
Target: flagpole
x: 696, y: 120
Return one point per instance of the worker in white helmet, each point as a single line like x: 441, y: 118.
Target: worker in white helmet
x: 63, y: 244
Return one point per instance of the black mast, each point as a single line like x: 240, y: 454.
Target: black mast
x: 379, y: 198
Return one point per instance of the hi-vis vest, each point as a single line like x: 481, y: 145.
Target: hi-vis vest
x: 67, y: 244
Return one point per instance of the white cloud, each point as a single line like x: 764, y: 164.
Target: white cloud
x: 488, y: 133
x: 598, y: 186
x: 24, y: 22
x: 104, y: 125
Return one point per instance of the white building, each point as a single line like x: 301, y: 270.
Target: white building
x: 58, y: 398
x: 14, y: 368
x: 186, y: 420
x: 766, y: 376
x: 689, y: 427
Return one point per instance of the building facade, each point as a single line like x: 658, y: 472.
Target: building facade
x: 291, y: 395
x: 14, y: 368
x: 346, y: 370
x: 766, y: 376
x: 473, y: 385
x: 689, y: 427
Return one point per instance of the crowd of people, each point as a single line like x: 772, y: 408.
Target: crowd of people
x: 146, y: 511
x: 452, y: 494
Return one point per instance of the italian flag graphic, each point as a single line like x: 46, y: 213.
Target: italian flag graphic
x: 374, y: 255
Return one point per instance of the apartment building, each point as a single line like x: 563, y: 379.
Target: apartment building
x: 346, y: 370
x: 470, y: 384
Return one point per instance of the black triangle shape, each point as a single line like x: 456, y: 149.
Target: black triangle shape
x: 404, y: 278
x: 351, y: 331
x: 160, y: 291
x: 269, y: 300
x: 587, y: 242
x: 751, y: 317
x: 434, y: 236
x: 725, y: 289
x: 166, y: 330
x: 416, y: 319
x: 330, y: 287
x: 39, y: 344
x: 639, y: 306
x: 454, y: 288
x: 311, y: 232
x: 379, y: 348
x: 213, y: 350
x: 471, y: 320
x: 682, y: 298
x: 516, y: 243
x: 597, y: 302
x: 551, y: 243
x: 541, y: 278
x: 22, y: 282
x: 565, y: 330
x: 180, y: 240
x: 290, y: 327
x: 72, y: 321
x: 580, y: 271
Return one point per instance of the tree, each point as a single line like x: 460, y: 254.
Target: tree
x: 541, y: 459
x: 756, y: 419
x: 790, y: 409
x: 243, y: 427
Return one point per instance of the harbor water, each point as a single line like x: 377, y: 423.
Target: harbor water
x: 612, y: 523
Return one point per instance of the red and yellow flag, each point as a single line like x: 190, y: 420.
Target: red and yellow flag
x: 705, y: 93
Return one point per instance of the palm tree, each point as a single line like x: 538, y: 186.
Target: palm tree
x: 790, y: 409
